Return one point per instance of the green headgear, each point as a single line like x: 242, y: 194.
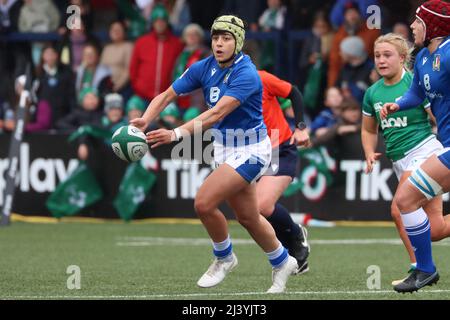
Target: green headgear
x: 137, y: 103
x: 170, y: 110
x: 191, y: 113
x: 231, y: 24
x: 85, y: 91
x: 159, y: 12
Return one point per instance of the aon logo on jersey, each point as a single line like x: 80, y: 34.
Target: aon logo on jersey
x: 394, y: 123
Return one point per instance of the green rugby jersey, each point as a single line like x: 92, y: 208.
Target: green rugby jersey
x: 403, y: 130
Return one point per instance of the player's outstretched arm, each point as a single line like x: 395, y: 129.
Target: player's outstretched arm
x: 207, y: 119
x: 155, y: 107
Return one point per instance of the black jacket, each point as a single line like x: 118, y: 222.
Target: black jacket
x: 59, y: 91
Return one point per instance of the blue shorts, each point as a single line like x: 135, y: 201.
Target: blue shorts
x: 444, y: 157
x: 285, y: 162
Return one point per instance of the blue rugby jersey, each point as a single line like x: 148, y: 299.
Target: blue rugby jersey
x: 240, y: 81
x: 432, y: 80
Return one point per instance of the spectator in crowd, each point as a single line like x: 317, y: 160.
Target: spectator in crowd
x: 179, y: 15
x: 353, y: 25
x: 313, y: 63
x: 337, y: 12
x: 194, y: 50
x: 38, y: 16
x: 349, y: 122
x: 355, y: 77
x: 38, y: 114
x: 89, y: 112
x: 73, y: 42
x: 56, y: 84
x: 135, y: 107
x: 117, y: 56
x: 327, y: 117
x: 318, y: 45
x: 154, y: 57
x: 135, y: 18
x: 7, y: 121
x: 9, y: 15
x: 272, y: 19
x: 403, y: 30
x: 92, y: 74
x: 113, y: 118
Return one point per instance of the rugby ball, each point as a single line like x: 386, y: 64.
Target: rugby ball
x: 129, y: 144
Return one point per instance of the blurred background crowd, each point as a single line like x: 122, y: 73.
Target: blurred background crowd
x: 105, y: 65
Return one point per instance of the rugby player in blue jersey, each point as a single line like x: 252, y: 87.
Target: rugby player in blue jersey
x: 431, y: 29
x: 242, y: 149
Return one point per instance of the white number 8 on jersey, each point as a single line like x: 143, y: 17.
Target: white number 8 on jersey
x: 426, y: 81
x: 214, y: 93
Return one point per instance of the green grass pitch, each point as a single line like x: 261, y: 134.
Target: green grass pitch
x: 164, y: 261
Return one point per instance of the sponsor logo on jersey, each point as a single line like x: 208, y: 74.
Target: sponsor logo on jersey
x: 378, y: 106
x: 424, y: 60
x: 437, y: 62
x: 213, y: 71
x: 394, y: 122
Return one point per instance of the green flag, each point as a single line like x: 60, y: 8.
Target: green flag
x: 312, y: 86
x: 134, y: 187
x: 78, y: 191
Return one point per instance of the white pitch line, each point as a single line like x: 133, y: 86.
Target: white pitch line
x: 155, y: 241
x: 224, y: 294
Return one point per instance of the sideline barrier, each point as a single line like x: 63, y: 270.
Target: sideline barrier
x: 330, y: 185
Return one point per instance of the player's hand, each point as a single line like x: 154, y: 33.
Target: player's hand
x: 159, y: 137
x: 370, y: 160
x: 388, y: 108
x: 139, y: 123
x: 300, y: 138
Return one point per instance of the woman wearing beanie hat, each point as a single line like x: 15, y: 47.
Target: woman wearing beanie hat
x: 242, y: 149
x: 431, y: 28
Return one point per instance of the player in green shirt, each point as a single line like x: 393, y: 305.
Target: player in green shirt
x: 408, y: 134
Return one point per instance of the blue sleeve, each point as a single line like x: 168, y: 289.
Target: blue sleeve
x: 189, y: 80
x: 243, y: 84
x: 415, y: 94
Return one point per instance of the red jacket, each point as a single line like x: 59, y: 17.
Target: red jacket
x: 152, y: 64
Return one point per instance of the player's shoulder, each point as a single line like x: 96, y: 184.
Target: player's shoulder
x: 445, y: 46
x: 200, y: 67
x: 204, y: 63
x: 420, y: 57
x: 244, y: 67
x: 374, y: 87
